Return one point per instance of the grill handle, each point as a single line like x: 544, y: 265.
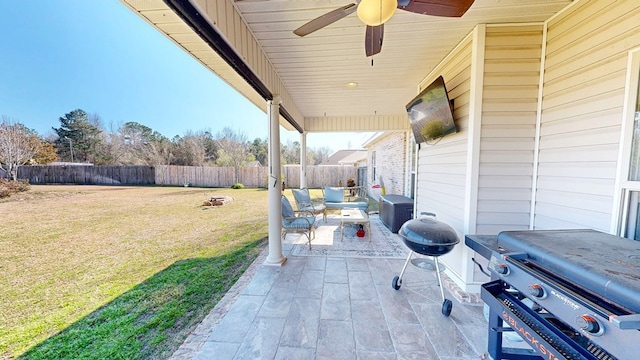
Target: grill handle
x: 626, y: 321
x: 425, y: 214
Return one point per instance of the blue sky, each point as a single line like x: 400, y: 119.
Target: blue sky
x: 98, y: 56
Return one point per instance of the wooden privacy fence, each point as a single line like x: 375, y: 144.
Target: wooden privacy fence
x: 210, y: 176
x: 170, y: 175
x: 88, y: 175
x: 319, y: 176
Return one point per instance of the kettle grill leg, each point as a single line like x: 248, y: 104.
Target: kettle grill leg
x: 435, y: 260
x: 397, y: 280
x: 446, y: 303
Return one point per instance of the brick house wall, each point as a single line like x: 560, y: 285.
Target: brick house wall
x: 386, y: 158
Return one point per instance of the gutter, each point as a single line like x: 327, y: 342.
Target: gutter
x: 201, y: 26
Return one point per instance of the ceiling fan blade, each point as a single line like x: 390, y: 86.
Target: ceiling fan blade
x: 373, y: 39
x: 324, y: 20
x: 446, y: 8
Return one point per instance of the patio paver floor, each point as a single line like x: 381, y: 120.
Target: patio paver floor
x: 317, y: 307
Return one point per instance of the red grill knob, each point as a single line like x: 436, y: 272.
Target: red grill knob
x: 536, y: 290
x: 589, y: 324
x: 502, y: 269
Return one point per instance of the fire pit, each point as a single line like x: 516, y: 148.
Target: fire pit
x: 428, y: 236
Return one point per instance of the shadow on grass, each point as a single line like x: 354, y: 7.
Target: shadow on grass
x: 205, y: 190
x: 152, y: 319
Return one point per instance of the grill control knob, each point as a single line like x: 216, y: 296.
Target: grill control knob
x: 589, y: 324
x: 502, y: 269
x: 536, y: 290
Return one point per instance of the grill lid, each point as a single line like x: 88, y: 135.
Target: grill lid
x: 605, y: 264
x: 428, y: 236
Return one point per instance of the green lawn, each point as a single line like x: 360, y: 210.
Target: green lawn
x: 118, y: 272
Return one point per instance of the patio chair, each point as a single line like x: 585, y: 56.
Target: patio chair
x: 304, y: 203
x: 297, y: 221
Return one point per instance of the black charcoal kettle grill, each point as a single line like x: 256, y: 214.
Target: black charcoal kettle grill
x: 428, y: 236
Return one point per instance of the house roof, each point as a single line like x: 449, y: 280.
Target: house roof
x: 373, y: 138
x: 356, y: 157
x: 254, y: 163
x: 346, y: 157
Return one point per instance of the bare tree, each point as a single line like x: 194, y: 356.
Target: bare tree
x: 202, y: 147
x: 159, y: 152
x: 322, y: 154
x: 189, y: 150
x: 135, y: 144
x: 18, y: 146
x: 233, y: 150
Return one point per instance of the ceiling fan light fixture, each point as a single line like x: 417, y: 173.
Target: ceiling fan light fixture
x: 376, y: 12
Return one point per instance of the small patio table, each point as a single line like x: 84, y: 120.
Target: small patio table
x: 354, y: 216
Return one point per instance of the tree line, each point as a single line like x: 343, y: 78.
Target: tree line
x: 82, y: 138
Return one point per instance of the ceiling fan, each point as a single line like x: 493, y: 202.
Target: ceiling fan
x: 374, y: 13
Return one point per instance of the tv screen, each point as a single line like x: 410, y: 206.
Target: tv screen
x: 430, y: 113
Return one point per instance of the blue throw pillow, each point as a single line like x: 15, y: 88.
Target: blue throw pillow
x: 287, y: 210
x: 302, y: 196
x: 333, y: 195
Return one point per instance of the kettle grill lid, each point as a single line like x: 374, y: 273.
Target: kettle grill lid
x: 428, y: 231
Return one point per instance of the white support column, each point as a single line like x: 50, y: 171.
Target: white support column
x: 303, y: 160
x: 275, y: 256
x: 473, y: 157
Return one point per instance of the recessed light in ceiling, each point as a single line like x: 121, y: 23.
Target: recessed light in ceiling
x: 352, y: 84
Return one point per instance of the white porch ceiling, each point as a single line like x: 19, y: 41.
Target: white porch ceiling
x: 315, y: 69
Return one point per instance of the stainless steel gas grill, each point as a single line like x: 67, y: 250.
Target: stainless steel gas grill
x: 583, y: 291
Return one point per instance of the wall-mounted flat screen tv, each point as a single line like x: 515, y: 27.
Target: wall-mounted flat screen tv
x: 431, y: 113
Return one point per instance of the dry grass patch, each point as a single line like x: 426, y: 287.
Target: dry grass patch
x: 68, y: 250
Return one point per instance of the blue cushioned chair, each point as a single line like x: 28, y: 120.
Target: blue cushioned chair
x: 304, y: 203
x: 297, y: 221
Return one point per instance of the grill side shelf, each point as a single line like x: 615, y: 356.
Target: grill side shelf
x: 485, y: 245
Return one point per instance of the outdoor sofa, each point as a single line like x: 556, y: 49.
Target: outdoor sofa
x: 334, y: 199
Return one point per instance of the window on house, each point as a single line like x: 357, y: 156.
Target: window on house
x: 634, y: 168
x: 631, y: 188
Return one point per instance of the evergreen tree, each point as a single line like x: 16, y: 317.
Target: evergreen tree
x: 78, y: 139
x: 260, y: 150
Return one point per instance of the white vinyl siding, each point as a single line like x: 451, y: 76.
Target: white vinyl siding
x: 507, y: 137
x: 582, y: 105
x: 442, y: 168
